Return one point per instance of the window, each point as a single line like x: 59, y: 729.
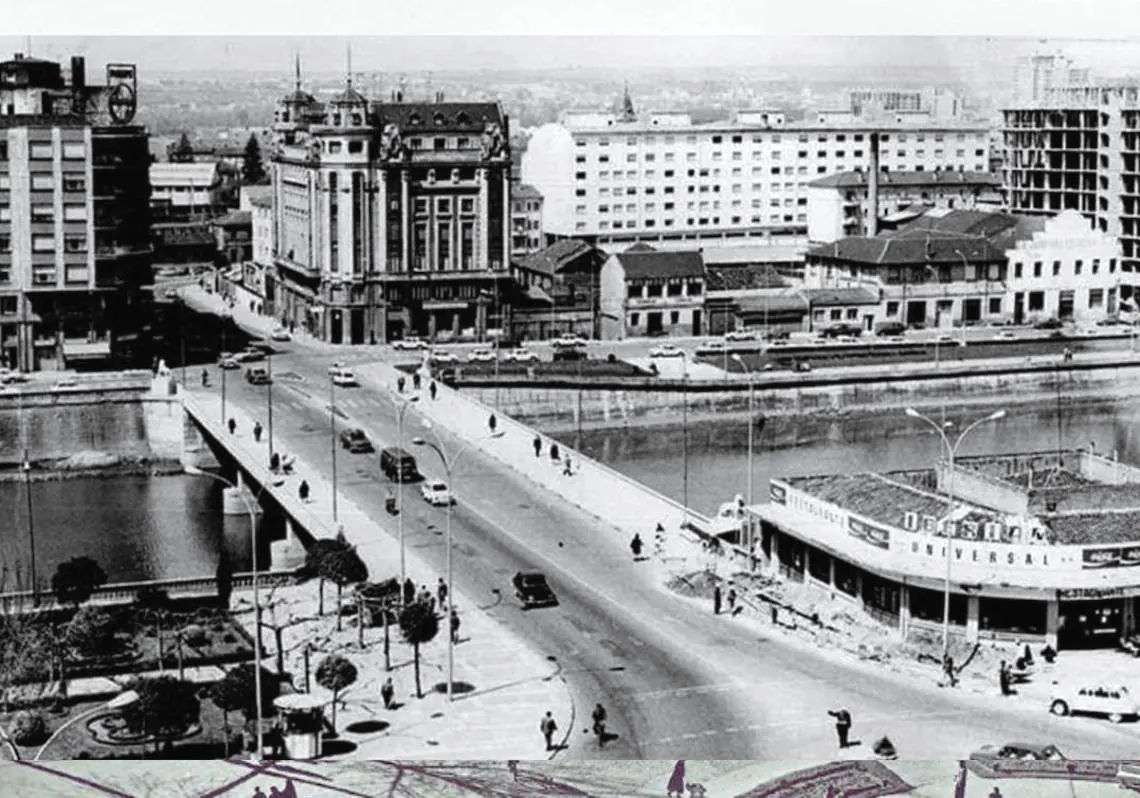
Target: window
x: 995, y: 304
x: 579, y: 175
x: 5, y: 244
x: 1096, y: 298
x: 675, y: 316
x: 579, y: 142
x: 1095, y: 265
x: 43, y: 213
x: 1037, y: 269
x: 43, y: 243
x: 634, y: 319
x: 1017, y: 270
x: 421, y: 205
x: 601, y: 159
x: 631, y: 157
x: 334, y: 146
x: 41, y: 152
x: 1077, y: 267
x: 467, y: 205
x: 1056, y: 268
x: 356, y: 147
x: 42, y: 182
x: 75, y: 184
x: 75, y: 243
x: 5, y: 213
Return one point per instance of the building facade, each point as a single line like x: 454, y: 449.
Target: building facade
x: 647, y: 293
x: 75, y: 253
x: 1042, y: 546
x: 615, y: 179
x: 181, y: 192
x: 839, y: 205
x: 526, y: 220
x: 1037, y: 78
x: 391, y: 218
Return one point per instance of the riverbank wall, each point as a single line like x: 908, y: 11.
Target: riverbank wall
x: 92, y: 422
x: 651, y: 402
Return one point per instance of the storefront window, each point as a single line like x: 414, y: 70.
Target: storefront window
x: 819, y: 565
x: 929, y: 605
x: 1012, y: 615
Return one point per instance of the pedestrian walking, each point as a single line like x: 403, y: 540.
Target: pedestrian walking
x: 636, y: 545
x: 454, y: 626
x: 548, y: 727
x: 842, y: 725
x: 676, y: 786
x: 716, y: 600
x: 416, y: 381
x: 599, y: 718
x: 513, y: 768
x: 537, y: 446
x: 996, y: 793
x: 303, y: 490
x: 257, y: 429
x: 568, y: 471
x: 1004, y: 679
x: 432, y: 389
x: 387, y: 692
x: 205, y: 378
x: 400, y: 384
x: 731, y: 599
x: 409, y: 591
x: 441, y: 591
x: 492, y: 422
x: 948, y: 670
x: 232, y: 425
x: 555, y: 455
x: 275, y: 462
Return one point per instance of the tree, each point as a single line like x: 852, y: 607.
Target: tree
x: 320, y: 548
x: 418, y: 624
x: 237, y: 691
x: 75, y: 580
x: 225, y: 580
x: 252, y: 170
x: 91, y: 632
x: 335, y: 673
x: 342, y: 566
x: 26, y: 652
x: 183, y: 151
x: 166, y: 708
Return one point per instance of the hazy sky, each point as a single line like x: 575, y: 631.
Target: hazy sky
x: 417, y: 53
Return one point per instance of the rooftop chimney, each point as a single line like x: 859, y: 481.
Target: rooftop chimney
x: 873, y: 188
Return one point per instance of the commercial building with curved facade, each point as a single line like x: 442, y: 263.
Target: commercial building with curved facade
x: 1044, y: 546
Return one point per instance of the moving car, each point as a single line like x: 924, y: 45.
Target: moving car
x: 439, y: 356
x: 740, y: 335
x: 532, y: 590
x: 520, y: 356
x: 1026, y: 751
x: 569, y: 339
x: 410, y: 342
x: 714, y: 346
x: 842, y: 330
x: 258, y: 376
x: 481, y: 356
x: 280, y: 334
x: 228, y: 362
x: 345, y: 378
x: 398, y: 465
x: 1109, y: 701
x: 666, y: 350
x: 66, y: 382
x: 251, y: 354
x: 335, y: 366
x: 1049, y: 324
x: 437, y: 494
x: 356, y: 441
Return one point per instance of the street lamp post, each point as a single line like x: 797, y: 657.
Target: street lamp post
x: 685, y: 436
x: 952, y: 453
x: 122, y: 700
x: 449, y: 464
x: 257, y: 654
x: 182, y: 335
x: 27, y: 469
x: 751, y: 418
x: 404, y: 404
x: 224, y: 370
x: 269, y: 397
x: 332, y: 440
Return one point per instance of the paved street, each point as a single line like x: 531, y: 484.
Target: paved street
x: 676, y: 682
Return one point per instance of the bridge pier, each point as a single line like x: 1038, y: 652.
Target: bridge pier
x: 287, y: 554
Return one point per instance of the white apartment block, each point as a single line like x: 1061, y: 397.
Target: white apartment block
x: 660, y: 178
x: 1037, y: 77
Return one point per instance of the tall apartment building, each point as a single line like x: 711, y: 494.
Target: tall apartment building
x: 75, y: 251
x: 1036, y: 78
x: 941, y: 103
x: 659, y: 177
x: 391, y: 218
x: 526, y: 220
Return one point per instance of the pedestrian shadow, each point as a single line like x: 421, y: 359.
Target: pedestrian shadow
x: 852, y: 744
x: 608, y: 737
x: 367, y: 726
x: 642, y: 558
x: 336, y: 747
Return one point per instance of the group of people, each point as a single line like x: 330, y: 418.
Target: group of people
x: 883, y: 747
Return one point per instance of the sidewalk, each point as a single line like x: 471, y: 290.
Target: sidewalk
x: 513, y: 686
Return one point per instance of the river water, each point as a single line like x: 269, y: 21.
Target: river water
x: 172, y: 526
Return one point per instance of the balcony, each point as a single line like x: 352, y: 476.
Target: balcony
x: 667, y: 302
x: 958, y: 289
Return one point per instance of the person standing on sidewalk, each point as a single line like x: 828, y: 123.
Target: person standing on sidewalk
x: 303, y: 490
x: 948, y: 670
x: 441, y: 592
x: 1003, y: 679
x: 257, y: 429
x: 454, y: 626
x: 636, y: 545
x: 731, y: 600
x: 842, y: 725
x: 400, y: 384
x: 548, y: 727
x: 432, y: 389
x: 492, y: 422
x: 205, y: 378
x: 416, y: 380
x: 537, y: 446
x: 232, y: 425
x: 513, y: 768
x: 387, y: 692
x: 716, y: 600
x: 599, y: 718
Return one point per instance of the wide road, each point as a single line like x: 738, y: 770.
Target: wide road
x: 677, y: 682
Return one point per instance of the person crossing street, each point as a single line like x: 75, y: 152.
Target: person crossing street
x: 548, y: 727
x: 842, y: 725
x: 599, y: 717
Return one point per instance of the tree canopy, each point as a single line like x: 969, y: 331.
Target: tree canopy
x: 335, y: 673
x: 418, y: 624
x: 252, y: 169
x: 76, y: 579
x: 166, y: 708
x: 236, y: 691
x: 91, y: 632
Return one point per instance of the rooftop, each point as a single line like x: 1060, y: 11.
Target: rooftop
x: 661, y: 265
x: 911, y: 246
x: 234, y: 219
x: 443, y: 117
x: 908, y: 179
x: 838, y: 297
x: 552, y: 259
x: 525, y: 191
x: 733, y: 277
x: 199, y: 175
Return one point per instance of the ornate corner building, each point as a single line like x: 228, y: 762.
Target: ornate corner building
x: 75, y: 251
x: 390, y: 218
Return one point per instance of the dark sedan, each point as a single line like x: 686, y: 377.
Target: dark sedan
x: 532, y: 590
x: 356, y: 441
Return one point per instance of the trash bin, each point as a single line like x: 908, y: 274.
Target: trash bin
x: 302, y: 721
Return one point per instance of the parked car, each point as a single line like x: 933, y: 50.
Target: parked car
x: 520, y: 356
x: 891, y: 329
x: 666, y: 350
x: 356, y: 441
x: 1110, y: 701
x: 335, y: 366
x: 398, y: 465
x: 251, y: 354
x: 532, y: 590
x: 439, y: 356
x: 345, y: 378
x: 258, y: 376
x: 228, y: 362
x: 713, y: 347
x: 1005, y: 335
x: 11, y: 376
x: 66, y: 382
x: 569, y: 339
x: 843, y: 331
x: 437, y: 494
x: 1026, y: 751
x: 481, y: 356
x: 170, y: 293
x: 412, y: 342
x: 570, y: 353
x: 740, y: 335
x: 1049, y: 324
x: 280, y: 334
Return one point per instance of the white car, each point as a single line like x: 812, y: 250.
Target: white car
x: 336, y: 367
x: 1110, y: 701
x: 436, y: 494
x: 481, y: 356
x: 520, y: 356
x: 438, y: 356
x: 944, y: 338
x: 228, y: 362
x: 569, y: 339
x: 345, y: 378
x: 714, y: 346
x: 740, y: 335
x: 410, y: 342
x: 280, y: 334
x: 1005, y: 335
x: 67, y: 382
x: 666, y: 350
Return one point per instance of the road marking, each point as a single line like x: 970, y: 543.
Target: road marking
x: 698, y: 688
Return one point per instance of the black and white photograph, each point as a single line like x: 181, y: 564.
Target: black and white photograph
x: 712, y: 400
